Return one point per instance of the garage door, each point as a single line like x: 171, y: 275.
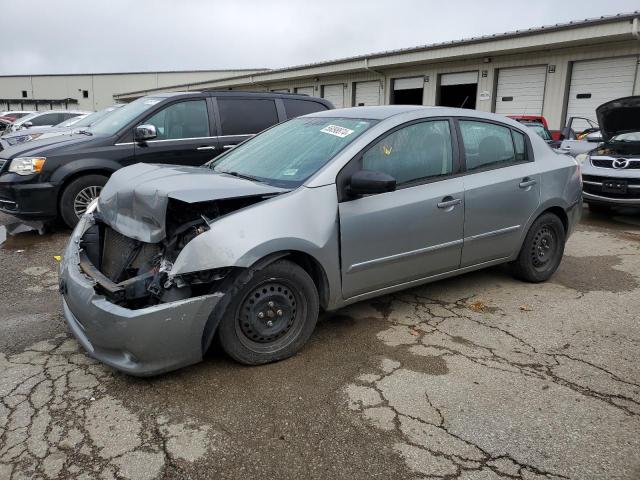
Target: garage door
x: 595, y: 82
x: 462, y: 78
x: 281, y: 90
x: 521, y: 90
x: 305, y: 91
x: 367, y: 93
x: 335, y: 94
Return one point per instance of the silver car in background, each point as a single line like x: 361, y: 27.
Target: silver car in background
x: 611, y: 172
x: 313, y: 214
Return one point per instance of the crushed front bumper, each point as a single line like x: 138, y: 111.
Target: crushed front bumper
x: 140, y: 342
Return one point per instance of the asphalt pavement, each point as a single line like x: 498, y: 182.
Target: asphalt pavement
x: 477, y: 377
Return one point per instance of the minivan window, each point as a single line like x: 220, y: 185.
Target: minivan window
x: 297, y: 108
x: 123, y: 116
x: 486, y: 144
x: 418, y: 151
x: 181, y: 120
x: 287, y: 154
x: 244, y: 116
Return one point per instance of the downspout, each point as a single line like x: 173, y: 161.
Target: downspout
x: 635, y: 28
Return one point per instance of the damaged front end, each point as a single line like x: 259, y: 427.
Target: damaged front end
x: 135, y: 274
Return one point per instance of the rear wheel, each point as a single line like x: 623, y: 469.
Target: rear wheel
x: 542, y: 250
x: 272, y: 316
x: 602, y: 209
x: 77, y: 196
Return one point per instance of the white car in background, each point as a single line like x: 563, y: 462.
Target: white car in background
x: 72, y: 125
x: 45, y: 118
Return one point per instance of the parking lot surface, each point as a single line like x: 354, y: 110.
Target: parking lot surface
x: 477, y: 377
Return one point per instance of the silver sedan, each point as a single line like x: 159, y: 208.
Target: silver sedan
x: 316, y: 213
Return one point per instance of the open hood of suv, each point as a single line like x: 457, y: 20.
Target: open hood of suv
x: 619, y: 116
x: 134, y: 202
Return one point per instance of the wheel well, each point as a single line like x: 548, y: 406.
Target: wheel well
x: 82, y: 173
x: 561, y: 214
x: 315, y: 271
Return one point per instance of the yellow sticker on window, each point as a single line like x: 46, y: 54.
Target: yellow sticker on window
x: 387, y: 149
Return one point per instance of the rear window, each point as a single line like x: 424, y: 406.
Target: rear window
x: 240, y: 116
x: 297, y: 108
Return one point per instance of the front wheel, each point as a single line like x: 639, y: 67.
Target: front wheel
x: 542, y: 250
x: 77, y: 196
x: 270, y: 317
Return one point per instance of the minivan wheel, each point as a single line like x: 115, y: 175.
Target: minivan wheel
x: 77, y: 196
x: 542, y: 250
x: 272, y: 316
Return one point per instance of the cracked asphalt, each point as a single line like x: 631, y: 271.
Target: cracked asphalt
x: 479, y: 377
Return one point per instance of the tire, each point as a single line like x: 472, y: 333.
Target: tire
x: 541, y: 251
x: 601, y: 209
x: 78, y: 193
x: 282, y: 294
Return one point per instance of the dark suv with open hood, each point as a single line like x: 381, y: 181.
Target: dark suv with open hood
x: 611, y: 172
x: 43, y: 179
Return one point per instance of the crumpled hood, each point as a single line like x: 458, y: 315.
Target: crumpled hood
x: 134, y: 200
x: 619, y: 116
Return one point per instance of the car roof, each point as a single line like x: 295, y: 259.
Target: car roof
x: 239, y: 93
x: 384, y: 112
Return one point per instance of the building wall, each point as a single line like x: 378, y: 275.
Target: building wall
x: 556, y: 88
x: 100, y: 87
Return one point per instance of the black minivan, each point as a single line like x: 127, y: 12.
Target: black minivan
x: 41, y: 180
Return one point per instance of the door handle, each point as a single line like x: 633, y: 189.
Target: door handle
x: 527, y: 182
x: 448, y: 202
x: 227, y: 147
x: 208, y: 147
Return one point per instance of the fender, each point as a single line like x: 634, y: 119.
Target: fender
x: 83, y: 164
x: 243, y: 238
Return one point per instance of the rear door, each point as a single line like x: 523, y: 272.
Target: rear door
x: 241, y: 118
x: 501, y: 189
x: 184, y: 135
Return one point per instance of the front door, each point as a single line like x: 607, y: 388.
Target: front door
x: 502, y: 190
x: 184, y: 136
x: 415, y: 231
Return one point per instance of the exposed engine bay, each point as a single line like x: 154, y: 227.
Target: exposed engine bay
x: 136, y: 274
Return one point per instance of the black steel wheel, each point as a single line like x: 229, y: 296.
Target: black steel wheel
x: 542, y: 250
x: 272, y: 316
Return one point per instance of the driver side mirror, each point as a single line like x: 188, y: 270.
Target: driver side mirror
x: 368, y: 182
x: 27, y: 124
x: 142, y: 133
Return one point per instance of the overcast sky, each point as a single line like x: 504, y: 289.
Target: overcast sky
x: 80, y: 36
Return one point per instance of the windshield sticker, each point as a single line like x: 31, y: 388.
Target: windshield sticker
x: 151, y: 101
x: 290, y: 172
x: 337, y: 131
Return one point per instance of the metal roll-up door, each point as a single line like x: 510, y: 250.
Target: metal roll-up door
x: 408, y: 83
x: 305, y: 91
x: 335, y: 94
x: 521, y: 90
x: 281, y: 90
x: 594, y: 82
x: 367, y: 93
x: 462, y: 78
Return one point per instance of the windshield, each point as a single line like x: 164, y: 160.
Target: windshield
x: 90, y: 119
x: 627, y: 137
x: 289, y: 153
x: 540, y: 130
x: 122, y: 116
